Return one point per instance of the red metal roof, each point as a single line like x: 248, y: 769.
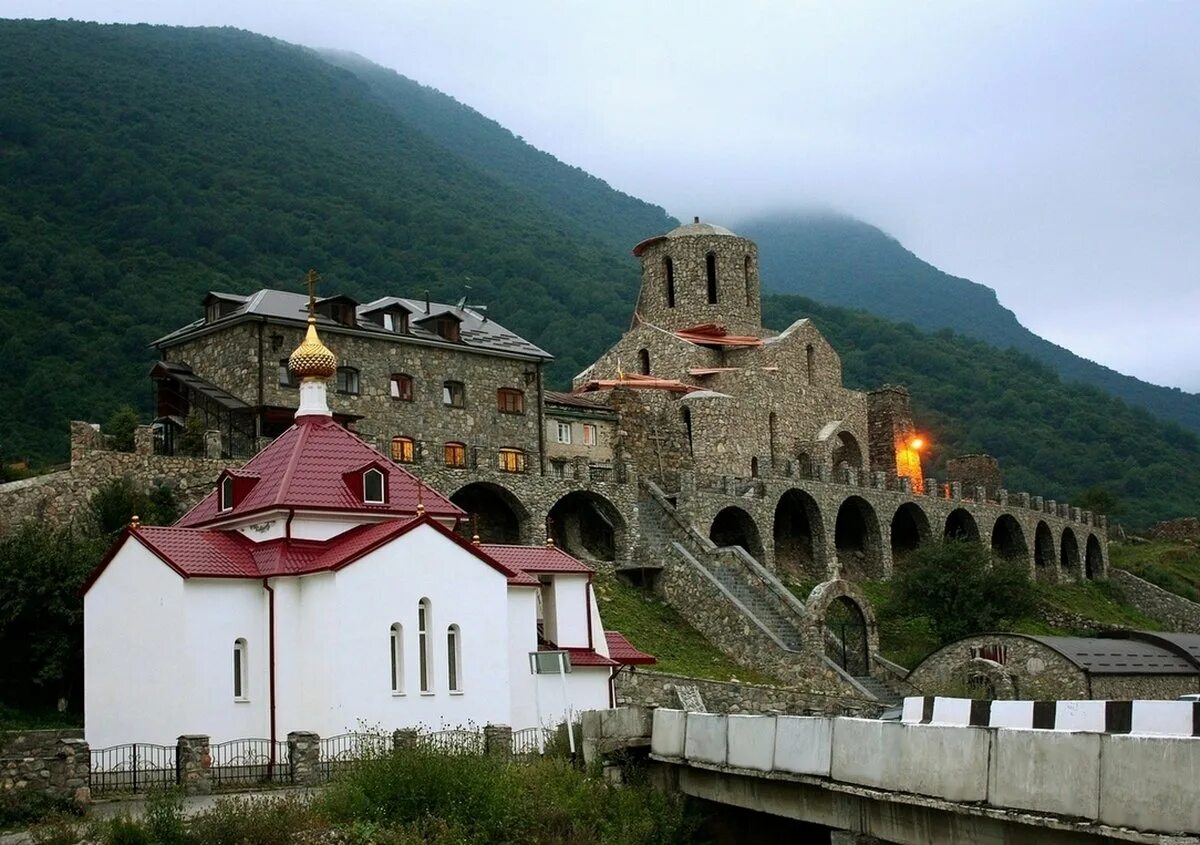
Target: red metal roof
x: 305, y: 468
x: 582, y: 656
x: 624, y: 652
x: 537, y: 559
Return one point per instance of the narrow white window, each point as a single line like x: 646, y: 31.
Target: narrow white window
x: 564, y: 432
x: 454, y: 658
x: 589, y: 434
x: 241, y: 677
x: 389, y: 322
x: 227, y: 493
x: 424, y: 646
x: 397, y: 655
x: 373, y: 487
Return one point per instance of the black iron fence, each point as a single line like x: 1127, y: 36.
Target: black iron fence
x: 246, y: 762
x: 135, y: 767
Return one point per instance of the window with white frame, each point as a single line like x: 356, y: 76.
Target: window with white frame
x: 397, y: 655
x: 241, y: 671
x: 454, y: 658
x: 227, y: 493
x: 589, y: 434
x: 373, y: 487
x: 424, y: 646
x: 563, y: 432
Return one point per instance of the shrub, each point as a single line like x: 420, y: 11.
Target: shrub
x: 273, y: 820
x: 120, y: 428
x: 58, y: 829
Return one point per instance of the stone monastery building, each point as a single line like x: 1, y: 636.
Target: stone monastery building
x: 321, y: 585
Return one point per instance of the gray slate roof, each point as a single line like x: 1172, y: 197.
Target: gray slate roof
x: 1105, y: 656
x: 477, y: 330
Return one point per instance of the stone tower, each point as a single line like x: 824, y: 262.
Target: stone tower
x: 697, y: 274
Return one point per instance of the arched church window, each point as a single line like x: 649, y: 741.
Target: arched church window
x: 669, y: 268
x: 227, y: 493
x: 424, y: 646
x: 644, y: 361
x: 241, y: 671
x: 373, y: 487
x: 454, y: 658
x: 397, y: 655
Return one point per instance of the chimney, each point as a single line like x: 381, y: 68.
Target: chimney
x: 426, y: 302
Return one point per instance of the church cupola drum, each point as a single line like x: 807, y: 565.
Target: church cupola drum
x: 698, y: 274
x: 312, y: 362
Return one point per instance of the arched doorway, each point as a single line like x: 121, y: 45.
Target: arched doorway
x: 1008, y: 540
x: 960, y: 525
x: 496, y: 513
x: 734, y: 527
x: 847, y: 454
x: 910, y: 529
x: 857, y: 537
x: 1093, y: 561
x: 1044, y: 557
x: 846, y: 636
x: 1068, y: 554
x: 798, y: 533
x: 587, y: 525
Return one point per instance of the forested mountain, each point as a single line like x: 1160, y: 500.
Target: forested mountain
x: 141, y: 167
x: 843, y: 261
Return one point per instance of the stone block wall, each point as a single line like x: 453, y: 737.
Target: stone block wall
x: 975, y: 471
x: 50, y: 763
x: 1175, y: 612
x: 1034, y: 670
x: 1187, y: 528
x: 658, y: 689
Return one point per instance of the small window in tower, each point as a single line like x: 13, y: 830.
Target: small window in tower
x: 810, y: 360
x: 373, y: 487
x: 510, y: 401
x: 402, y: 387
x: 710, y: 270
x: 512, y: 460
x: 746, y: 277
x: 454, y: 394
x: 227, y: 493
x: 286, y: 379
x: 456, y: 455
x: 687, y: 425
x: 669, y: 266
x: 347, y: 381
x: 403, y: 450
x: 644, y: 361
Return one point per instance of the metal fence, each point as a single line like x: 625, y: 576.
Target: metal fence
x: 336, y: 752
x: 135, y: 767
x: 245, y: 762
x: 453, y: 742
x: 531, y: 741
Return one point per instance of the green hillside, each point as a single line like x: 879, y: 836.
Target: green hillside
x: 842, y: 261
x: 1053, y: 439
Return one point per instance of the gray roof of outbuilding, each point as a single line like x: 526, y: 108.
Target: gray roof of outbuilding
x: 477, y: 331
x: 699, y: 228
x: 1123, y: 656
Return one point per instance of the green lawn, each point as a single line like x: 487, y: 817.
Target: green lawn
x: 656, y: 628
x: 1171, y: 565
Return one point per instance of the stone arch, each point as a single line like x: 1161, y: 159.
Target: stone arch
x: 732, y: 526
x: 847, y: 451
x: 1008, y: 539
x: 1068, y: 554
x: 961, y: 525
x: 804, y: 464
x: 799, y: 534
x: 858, y: 539
x: 1044, y: 556
x: 910, y: 529
x: 497, y: 513
x: 817, y: 613
x: 1093, y: 560
x: 980, y: 674
x: 587, y: 525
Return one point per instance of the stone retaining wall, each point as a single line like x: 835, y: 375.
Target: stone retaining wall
x: 50, y: 763
x: 658, y: 689
x: 1176, y: 612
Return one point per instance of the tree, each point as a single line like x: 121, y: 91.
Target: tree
x: 961, y: 590
x: 191, y: 438
x: 113, y: 506
x: 1099, y: 500
x: 120, y: 428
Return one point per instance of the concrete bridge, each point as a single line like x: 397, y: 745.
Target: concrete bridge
x: 921, y: 783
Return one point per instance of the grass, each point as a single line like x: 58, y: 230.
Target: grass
x: 657, y: 628
x: 1172, y: 565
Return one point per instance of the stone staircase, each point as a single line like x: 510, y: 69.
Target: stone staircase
x: 879, y: 689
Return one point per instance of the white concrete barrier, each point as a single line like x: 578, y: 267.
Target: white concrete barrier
x: 668, y: 733
x: 951, y: 711
x: 1046, y: 771
x: 706, y: 737
x: 938, y: 761
x: 913, y: 709
x: 1080, y: 716
x: 1012, y: 714
x: 803, y: 744
x: 1162, y: 718
x: 1150, y: 783
x: 751, y: 742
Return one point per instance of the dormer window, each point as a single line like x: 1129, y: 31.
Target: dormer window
x: 373, y: 487
x: 447, y: 329
x: 226, y: 493
x: 341, y: 309
x: 392, y: 318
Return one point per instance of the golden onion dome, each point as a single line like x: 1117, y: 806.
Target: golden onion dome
x: 312, y: 358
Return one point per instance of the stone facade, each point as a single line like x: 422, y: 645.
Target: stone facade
x: 975, y: 471
x: 658, y: 689
x: 50, y: 763
x: 1036, y: 671
x: 1175, y: 612
x: 194, y: 764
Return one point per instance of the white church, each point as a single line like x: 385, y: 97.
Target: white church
x: 319, y: 587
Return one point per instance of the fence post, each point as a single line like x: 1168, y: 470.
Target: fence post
x: 304, y: 757
x: 193, y: 762
x: 72, y: 770
x: 404, y: 739
x: 497, y: 740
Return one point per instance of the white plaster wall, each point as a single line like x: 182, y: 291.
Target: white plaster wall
x: 571, y: 600
x: 132, y: 637
x: 599, y: 643
x: 315, y: 662
x: 549, y: 616
x: 313, y: 527
x: 587, y: 689
x: 522, y: 639
x: 271, y: 528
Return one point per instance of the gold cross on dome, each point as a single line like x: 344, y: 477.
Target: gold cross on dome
x: 311, y: 280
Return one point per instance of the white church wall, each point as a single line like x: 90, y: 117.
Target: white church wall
x: 315, y: 656
x: 522, y: 639
x: 571, y: 606
x: 313, y: 527
x: 587, y: 689
x: 134, y: 654
x: 598, y: 640
x: 385, y: 587
x: 266, y: 529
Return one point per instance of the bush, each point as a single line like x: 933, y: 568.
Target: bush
x: 114, y: 504
x: 262, y: 821
x: 120, y: 428
x: 21, y: 809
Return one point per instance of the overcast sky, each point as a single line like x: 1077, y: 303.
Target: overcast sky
x: 1049, y: 149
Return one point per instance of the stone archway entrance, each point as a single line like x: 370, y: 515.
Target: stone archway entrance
x: 798, y: 533
x: 1008, y: 540
x: 857, y: 536
x: 910, y: 529
x: 961, y: 525
x: 846, y: 642
x: 1044, y: 557
x: 847, y: 454
x: 1068, y: 557
x: 734, y: 527
x: 587, y: 525
x: 1093, y: 561
x: 499, y: 515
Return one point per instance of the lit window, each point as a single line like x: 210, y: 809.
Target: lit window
x: 227, y: 493
x: 563, y: 432
x: 589, y: 434
x: 373, y: 487
x: 286, y: 379
x: 402, y: 387
x: 397, y: 655
x: 347, y: 380
x: 424, y: 646
x: 456, y: 455
x: 241, y: 675
x: 403, y: 450
x: 510, y: 401
x: 454, y: 394
x: 454, y: 658
x: 512, y: 460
